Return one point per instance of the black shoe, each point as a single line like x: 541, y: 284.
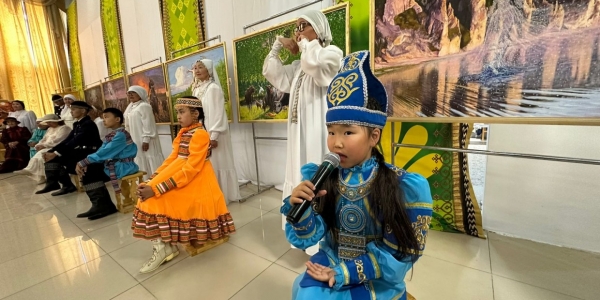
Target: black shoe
x: 65, y: 190
x: 103, y: 214
x: 92, y: 211
x: 49, y: 188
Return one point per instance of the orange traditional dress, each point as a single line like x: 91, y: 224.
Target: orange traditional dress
x: 188, y: 203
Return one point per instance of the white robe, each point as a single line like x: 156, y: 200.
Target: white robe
x: 140, y: 122
x: 26, y: 117
x: 217, y: 125
x: 52, y: 138
x: 102, y: 130
x: 66, y: 116
x: 307, y: 139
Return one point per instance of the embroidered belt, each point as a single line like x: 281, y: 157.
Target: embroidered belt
x: 351, y: 245
x: 110, y: 164
x: 86, y: 148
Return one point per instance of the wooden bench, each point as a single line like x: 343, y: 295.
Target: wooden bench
x: 77, y: 182
x: 127, y: 199
x: 409, y: 296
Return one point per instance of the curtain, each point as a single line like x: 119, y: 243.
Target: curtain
x: 33, y: 60
x: 74, y: 50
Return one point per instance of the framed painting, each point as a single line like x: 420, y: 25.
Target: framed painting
x: 493, y: 61
x: 94, y: 97
x: 115, y: 93
x: 258, y: 100
x: 153, y: 81
x: 180, y: 77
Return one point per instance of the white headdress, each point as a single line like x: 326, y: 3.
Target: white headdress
x: 320, y: 25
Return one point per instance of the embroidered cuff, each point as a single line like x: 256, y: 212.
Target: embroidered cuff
x: 166, y: 186
x: 342, y: 276
x: 362, y: 268
x: 84, y: 163
x: 306, y: 226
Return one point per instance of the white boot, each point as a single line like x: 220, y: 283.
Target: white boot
x: 162, y: 253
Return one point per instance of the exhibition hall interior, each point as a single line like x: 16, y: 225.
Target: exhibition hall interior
x: 299, y: 149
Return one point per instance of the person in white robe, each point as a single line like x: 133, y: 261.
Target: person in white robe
x: 140, y: 123
x: 306, y: 80
x: 96, y: 115
x: 65, y: 113
x: 57, y: 132
x: 207, y: 88
x: 26, y: 117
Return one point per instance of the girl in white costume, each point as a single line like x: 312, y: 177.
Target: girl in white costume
x: 207, y: 88
x: 140, y: 123
x: 65, y: 114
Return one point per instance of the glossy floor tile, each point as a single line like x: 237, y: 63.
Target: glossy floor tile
x: 48, y: 253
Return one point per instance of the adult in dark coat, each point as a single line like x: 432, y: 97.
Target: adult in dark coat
x: 59, y: 104
x: 61, y: 160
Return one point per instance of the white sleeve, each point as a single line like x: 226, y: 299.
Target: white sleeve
x: 215, y: 119
x: 61, y: 135
x: 322, y: 64
x: 275, y: 72
x: 30, y: 122
x: 148, y: 122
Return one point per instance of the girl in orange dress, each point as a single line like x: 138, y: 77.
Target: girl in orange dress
x: 181, y: 202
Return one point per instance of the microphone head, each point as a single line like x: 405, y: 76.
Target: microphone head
x: 332, y: 158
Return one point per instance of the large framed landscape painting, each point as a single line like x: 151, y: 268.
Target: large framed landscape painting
x: 115, y: 93
x: 180, y: 76
x: 494, y: 61
x: 93, y: 96
x: 258, y: 100
x: 153, y: 81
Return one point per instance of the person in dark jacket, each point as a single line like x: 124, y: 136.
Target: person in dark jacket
x: 59, y: 104
x: 60, y: 160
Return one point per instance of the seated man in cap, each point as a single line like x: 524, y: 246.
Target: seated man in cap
x: 113, y: 160
x: 14, y: 139
x: 62, y: 158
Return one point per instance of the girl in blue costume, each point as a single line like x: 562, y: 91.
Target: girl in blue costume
x: 373, y: 216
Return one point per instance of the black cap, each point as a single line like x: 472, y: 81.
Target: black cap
x: 56, y: 97
x: 80, y: 104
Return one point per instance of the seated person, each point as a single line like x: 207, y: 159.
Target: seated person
x: 113, y: 160
x: 62, y: 158
x: 14, y: 139
x: 36, y: 137
x: 56, y: 133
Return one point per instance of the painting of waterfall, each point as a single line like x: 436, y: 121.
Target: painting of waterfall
x: 487, y: 60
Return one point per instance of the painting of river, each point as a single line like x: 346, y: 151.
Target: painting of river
x: 489, y: 58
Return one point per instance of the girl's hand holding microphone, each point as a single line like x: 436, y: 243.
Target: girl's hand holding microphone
x: 305, y: 191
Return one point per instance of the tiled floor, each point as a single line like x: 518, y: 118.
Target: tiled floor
x: 46, y: 253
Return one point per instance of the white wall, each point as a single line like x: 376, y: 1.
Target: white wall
x: 91, y: 43
x: 550, y: 202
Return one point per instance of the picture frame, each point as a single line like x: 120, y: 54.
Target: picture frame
x: 179, y: 77
x: 154, y: 82
x: 264, y: 103
x: 114, y: 92
x: 93, y: 96
x: 544, y: 73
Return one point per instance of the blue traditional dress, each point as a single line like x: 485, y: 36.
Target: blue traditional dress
x: 36, y: 137
x: 117, y: 153
x: 362, y: 244
x: 363, y: 253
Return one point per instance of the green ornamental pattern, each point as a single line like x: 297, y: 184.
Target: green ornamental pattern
x: 182, y: 26
x: 74, y: 51
x: 111, y: 32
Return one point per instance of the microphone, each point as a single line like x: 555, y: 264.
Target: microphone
x: 330, y: 162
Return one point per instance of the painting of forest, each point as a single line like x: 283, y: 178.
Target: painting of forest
x: 180, y: 76
x: 489, y: 58
x: 153, y: 81
x: 258, y: 99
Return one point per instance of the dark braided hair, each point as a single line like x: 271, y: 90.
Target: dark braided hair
x: 386, y: 199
